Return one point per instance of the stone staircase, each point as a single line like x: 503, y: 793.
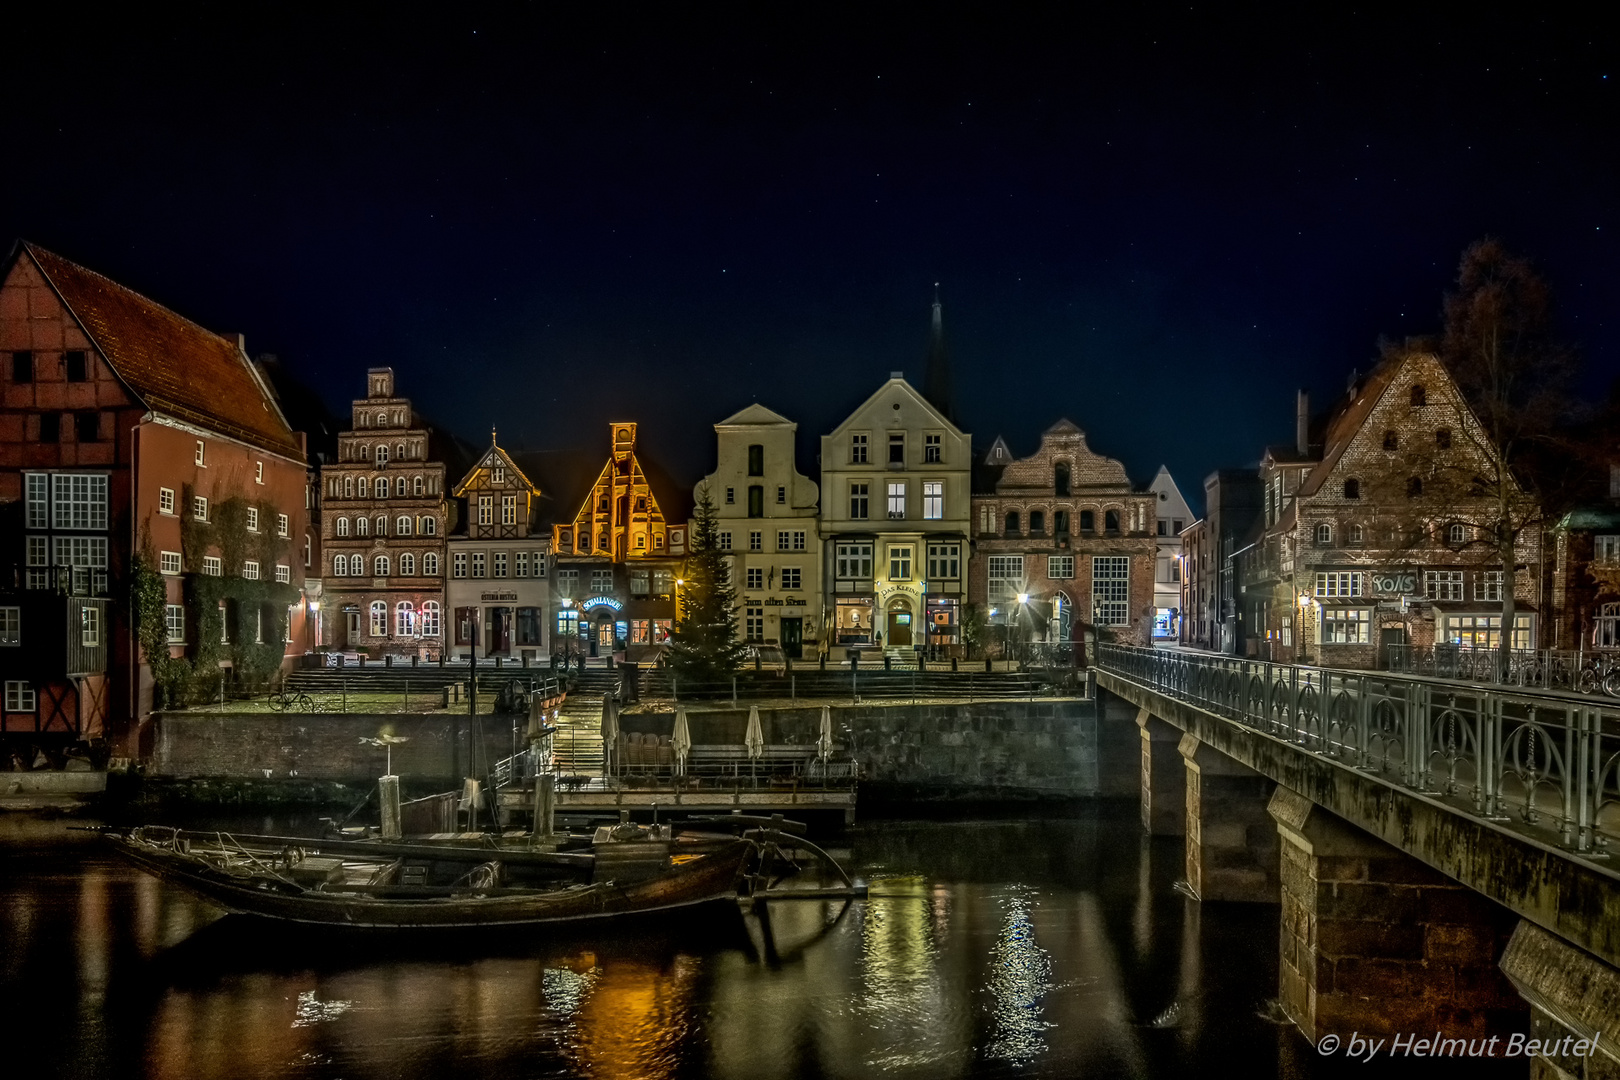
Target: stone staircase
x: 577, y: 746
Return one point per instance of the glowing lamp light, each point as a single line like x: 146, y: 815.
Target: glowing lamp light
x: 1304, y: 600
x: 1023, y: 598
x: 314, y: 605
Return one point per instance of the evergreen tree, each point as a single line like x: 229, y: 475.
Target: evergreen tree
x: 704, y: 646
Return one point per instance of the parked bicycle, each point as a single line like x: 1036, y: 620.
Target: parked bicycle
x: 1599, y: 673
x: 282, y: 700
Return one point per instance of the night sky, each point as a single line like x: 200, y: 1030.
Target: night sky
x: 1159, y: 228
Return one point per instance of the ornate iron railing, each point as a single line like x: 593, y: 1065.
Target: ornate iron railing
x: 1546, y: 669
x: 1549, y: 761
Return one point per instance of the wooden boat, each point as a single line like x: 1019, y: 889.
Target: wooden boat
x: 624, y: 870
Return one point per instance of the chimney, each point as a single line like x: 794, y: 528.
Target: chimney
x: 1302, y: 424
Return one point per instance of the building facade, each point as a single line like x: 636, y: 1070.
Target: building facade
x: 895, y: 481
x: 384, y: 519
x: 499, y: 590
x: 1063, y: 542
x: 767, y: 513
x: 618, y: 556
x: 1171, y: 515
x: 136, y: 448
x: 1380, y: 535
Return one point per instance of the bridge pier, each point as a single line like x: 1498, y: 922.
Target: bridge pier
x: 1375, y: 941
x: 1164, y: 777
x: 1232, y: 842
x: 1574, y: 997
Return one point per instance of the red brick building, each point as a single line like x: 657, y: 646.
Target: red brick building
x: 1065, y: 529
x: 126, y: 428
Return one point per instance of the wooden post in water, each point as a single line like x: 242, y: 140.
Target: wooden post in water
x: 388, y: 796
x: 545, y: 807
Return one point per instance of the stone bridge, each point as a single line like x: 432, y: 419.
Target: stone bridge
x: 1440, y: 849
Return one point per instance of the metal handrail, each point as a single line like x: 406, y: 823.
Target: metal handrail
x: 1503, y: 752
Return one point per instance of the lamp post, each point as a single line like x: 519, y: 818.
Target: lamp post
x: 1305, y: 602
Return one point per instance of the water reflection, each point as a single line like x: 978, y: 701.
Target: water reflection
x: 1014, y: 948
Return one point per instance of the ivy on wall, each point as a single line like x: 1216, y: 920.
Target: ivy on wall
x: 230, y: 619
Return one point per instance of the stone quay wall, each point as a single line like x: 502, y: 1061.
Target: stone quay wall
x: 981, y: 750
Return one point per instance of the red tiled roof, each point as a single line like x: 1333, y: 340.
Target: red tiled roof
x: 173, y: 365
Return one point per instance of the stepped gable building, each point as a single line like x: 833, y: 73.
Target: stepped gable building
x: 127, y: 429
x: 617, y: 556
x: 1377, y: 536
x: 1172, y: 516
x: 384, y: 520
x: 499, y: 589
x: 1064, y: 530
x: 896, y: 479
x: 768, y: 521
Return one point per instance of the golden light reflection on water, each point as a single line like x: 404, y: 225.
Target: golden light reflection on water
x: 901, y: 990
x: 633, y: 1019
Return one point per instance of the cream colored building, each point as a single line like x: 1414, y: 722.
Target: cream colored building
x: 894, y: 524
x: 767, y: 511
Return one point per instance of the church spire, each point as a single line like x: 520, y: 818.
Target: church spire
x: 937, y: 374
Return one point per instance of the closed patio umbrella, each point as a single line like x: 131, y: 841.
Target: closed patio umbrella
x: 610, y: 731
x: 824, y: 744
x: 681, y: 741
x: 754, y: 740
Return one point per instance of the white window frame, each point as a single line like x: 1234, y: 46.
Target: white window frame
x: 901, y: 561
x: 896, y: 500
x: 1111, y: 590
x: 20, y: 696
x: 1004, y: 575
x: 1335, y: 584
x: 258, y: 472
x: 860, y: 506
x: 1345, y: 626
x: 253, y: 519
x: 10, y: 625
x: 1488, y: 585
x: 1061, y: 567
x: 250, y: 569
x: 283, y: 574
x: 458, y: 565
x: 169, y: 562
x: 792, y: 578
x: 378, y: 623
x: 380, y: 566
x: 933, y: 499
x: 1606, y: 549
x: 853, y: 561
x: 199, y: 508
x: 430, y: 564
x: 166, y: 500
x: 90, y: 627
x: 754, y: 578
x: 197, y: 457
x: 212, y: 566
x: 283, y: 525
x: 1443, y: 585
x: 174, y: 623
x: 79, y: 501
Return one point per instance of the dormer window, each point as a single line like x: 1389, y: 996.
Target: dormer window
x: 1420, y: 396
x: 498, y: 475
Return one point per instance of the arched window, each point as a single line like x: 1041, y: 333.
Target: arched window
x: 340, y: 566
x: 1037, y: 521
x: 1457, y: 534
x: 584, y: 541
x: 399, y: 452
x: 382, y: 419
x: 343, y: 526
x: 365, y: 453
x: 364, y: 488
x: 430, y: 617
x: 1088, y: 521
x: 1352, y: 488
x: 1414, y: 486
x: 379, y: 619
x: 1060, y: 478
x: 1110, y: 521
x: 348, y: 487
x: 362, y: 526
x: 430, y: 565
x: 1392, y: 441
x: 1420, y: 396
x: 1355, y: 534
x: 407, y: 565
x: 382, y: 454
x: 402, y: 526
x: 404, y: 619
x: 416, y: 485
x: 357, y: 565
x: 1442, y: 438
x: 1011, y: 525
x: 430, y: 526
x: 379, y: 566
x: 1324, y: 534
x: 382, y: 487
x: 382, y: 525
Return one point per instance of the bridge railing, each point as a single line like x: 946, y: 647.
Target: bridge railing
x: 1546, y: 669
x: 1551, y: 762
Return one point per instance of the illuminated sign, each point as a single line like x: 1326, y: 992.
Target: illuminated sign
x: 600, y: 601
x: 1394, y: 582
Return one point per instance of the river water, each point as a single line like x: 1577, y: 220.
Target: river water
x: 1056, y: 947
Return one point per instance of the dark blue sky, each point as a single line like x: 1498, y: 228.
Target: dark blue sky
x: 1158, y: 225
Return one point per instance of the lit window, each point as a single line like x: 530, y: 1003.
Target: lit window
x: 897, y: 499
x: 933, y: 499
x: 1346, y: 626
x: 1111, y: 589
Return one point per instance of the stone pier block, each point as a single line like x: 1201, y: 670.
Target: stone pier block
x: 1164, y: 781
x: 1374, y: 941
x: 1574, y: 998
x: 1232, y: 843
